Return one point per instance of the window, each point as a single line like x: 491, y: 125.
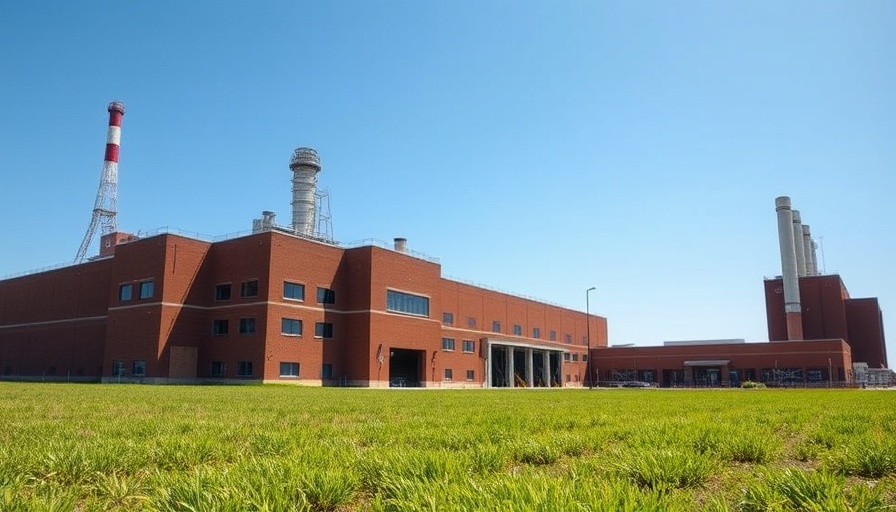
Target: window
x: 220, y: 327
x: 471, y: 375
x: 447, y: 343
x: 584, y: 358
x: 249, y: 288
x: 126, y: 292
x: 323, y: 330
x: 567, y: 338
x: 326, y: 296
x: 448, y: 318
x: 247, y: 326
x: 575, y: 357
x: 294, y: 291
x: 553, y: 335
x: 471, y: 322
x: 222, y: 291
x: 517, y: 329
x: 219, y: 369
x: 244, y: 369
x: 448, y: 374
x: 469, y: 346
x: 407, y: 303
x: 291, y: 326
x: 496, y: 326
x: 138, y: 368
x: 326, y: 371
x: 566, y: 357
x: 289, y: 369
x: 118, y: 368
x: 536, y: 332
x: 146, y: 289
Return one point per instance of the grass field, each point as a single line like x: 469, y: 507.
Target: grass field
x: 276, y: 448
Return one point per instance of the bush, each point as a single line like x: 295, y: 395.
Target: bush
x: 749, y: 384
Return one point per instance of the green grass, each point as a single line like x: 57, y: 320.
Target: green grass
x: 279, y: 448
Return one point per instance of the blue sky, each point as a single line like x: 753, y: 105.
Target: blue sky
x: 536, y: 147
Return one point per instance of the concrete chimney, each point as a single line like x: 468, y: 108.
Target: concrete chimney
x: 401, y: 245
x: 807, y: 251
x: 798, y: 246
x: 792, y: 310
x: 304, y: 164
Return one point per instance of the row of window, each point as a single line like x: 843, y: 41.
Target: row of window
x: 288, y: 326
x: 449, y: 375
x: 574, y: 357
x: 288, y: 369
x: 448, y: 319
x: 469, y: 346
x: 145, y: 290
x: 138, y: 368
x: 292, y: 291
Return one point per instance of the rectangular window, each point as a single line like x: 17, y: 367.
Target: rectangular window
x: 471, y: 375
x: 448, y: 374
x: 219, y: 369
x: 291, y: 326
x: 146, y: 289
x: 584, y: 358
x: 222, y: 291
x: 323, y: 330
x: 289, y: 369
x: 471, y: 322
x: 447, y: 343
x: 293, y: 291
x: 469, y: 346
x: 326, y: 296
x: 118, y: 368
x: 536, y: 332
x: 139, y: 368
x: 244, y: 369
x: 448, y: 318
x: 496, y: 326
x: 575, y: 357
x: 553, y: 336
x: 126, y: 292
x: 326, y: 371
x: 566, y: 357
x: 407, y: 303
x: 517, y: 329
x: 249, y: 288
x: 567, y: 338
x: 247, y: 326
x: 220, y: 327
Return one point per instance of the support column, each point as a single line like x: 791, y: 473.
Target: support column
x: 560, y: 369
x: 546, y: 368
x: 488, y: 364
x: 511, y: 382
x: 530, y: 367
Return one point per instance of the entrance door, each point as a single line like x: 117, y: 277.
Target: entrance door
x: 405, y: 368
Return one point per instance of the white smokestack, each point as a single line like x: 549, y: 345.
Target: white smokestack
x: 401, y: 245
x: 798, y: 244
x: 807, y: 250
x: 305, y: 164
x: 792, y: 310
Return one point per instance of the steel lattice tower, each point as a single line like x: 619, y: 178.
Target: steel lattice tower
x: 106, y: 205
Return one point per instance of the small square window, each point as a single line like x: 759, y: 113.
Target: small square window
x: 536, y: 332
x: 447, y: 343
x: 553, y: 336
x: 469, y: 346
x: 567, y: 338
x: 566, y: 357
x: 575, y: 357
x: 471, y: 322
x: 323, y: 330
x: 448, y: 318
x: 471, y: 375
x: 291, y: 326
x: 448, y: 374
x: 326, y: 371
x: 219, y: 369
x: 118, y: 369
x: 496, y: 326
x: 222, y: 291
x: 247, y: 326
x: 220, y: 327
x: 326, y: 296
x: 584, y: 358
x: 249, y: 288
x: 125, y: 292
x: 146, y: 289
x: 244, y: 369
x: 139, y: 368
x: 517, y: 330
x: 294, y: 291
x: 289, y: 369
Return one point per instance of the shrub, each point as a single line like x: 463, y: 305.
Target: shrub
x: 749, y: 384
x: 666, y: 469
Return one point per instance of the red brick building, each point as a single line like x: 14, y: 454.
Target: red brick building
x: 276, y: 307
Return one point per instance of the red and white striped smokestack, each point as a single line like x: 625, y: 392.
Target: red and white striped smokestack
x: 789, y: 273
x: 113, y: 136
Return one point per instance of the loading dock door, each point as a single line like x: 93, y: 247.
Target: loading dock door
x: 405, y: 367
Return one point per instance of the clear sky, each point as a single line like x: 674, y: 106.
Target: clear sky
x: 536, y: 147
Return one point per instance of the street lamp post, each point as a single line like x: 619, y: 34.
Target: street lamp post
x: 590, y: 363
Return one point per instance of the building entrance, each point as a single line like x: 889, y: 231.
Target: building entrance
x: 405, y: 368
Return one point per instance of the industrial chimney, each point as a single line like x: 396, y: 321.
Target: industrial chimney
x: 305, y: 164
x: 401, y: 245
x: 798, y: 246
x: 809, y: 252
x: 792, y: 310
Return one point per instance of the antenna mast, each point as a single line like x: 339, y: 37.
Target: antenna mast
x: 106, y: 205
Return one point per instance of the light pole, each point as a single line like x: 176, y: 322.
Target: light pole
x: 589, y: 365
